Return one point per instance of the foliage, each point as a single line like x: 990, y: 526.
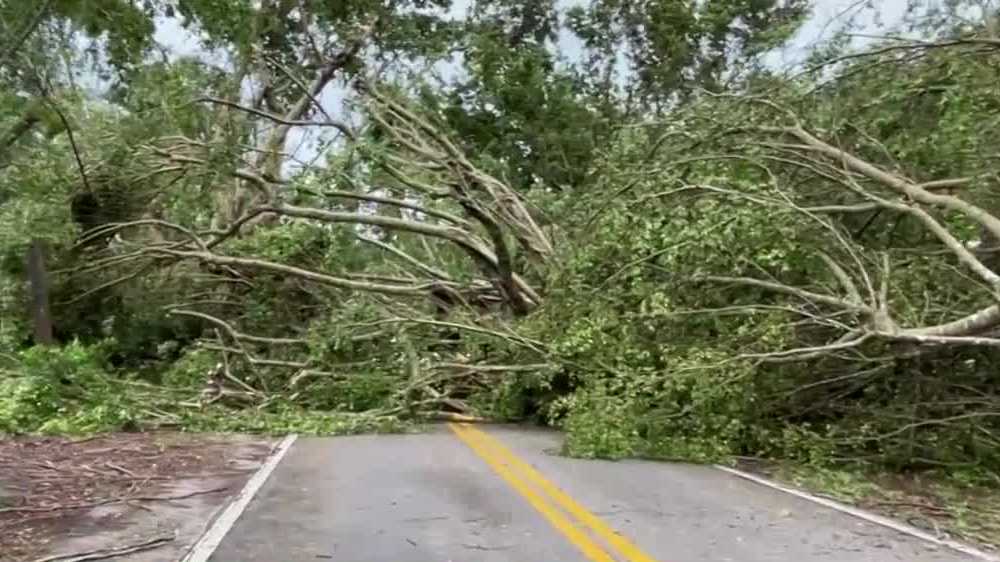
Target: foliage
x: 726, y: 211
x: 662, y: 261
x: 74, y: 390
x: 290, y: 419
x: 673, y: 46
x: 64, y: 390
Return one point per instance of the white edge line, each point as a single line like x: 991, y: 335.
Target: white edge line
x: 865, y: 515
x: 210, y: 540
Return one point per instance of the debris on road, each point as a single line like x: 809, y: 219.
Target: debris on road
x: 64, y: 499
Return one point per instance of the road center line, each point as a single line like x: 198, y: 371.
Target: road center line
x: 579, y: 539
x: 624, y: 546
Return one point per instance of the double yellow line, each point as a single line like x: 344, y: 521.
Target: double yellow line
x: 573, y: 521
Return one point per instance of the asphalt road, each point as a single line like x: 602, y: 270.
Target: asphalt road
x: 501, y: 495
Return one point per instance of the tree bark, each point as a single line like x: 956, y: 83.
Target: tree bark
x: 38, y: 279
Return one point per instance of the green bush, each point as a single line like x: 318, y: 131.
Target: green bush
x: 62, y: 390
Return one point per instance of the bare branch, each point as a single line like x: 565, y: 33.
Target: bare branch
x: 974, y: 323
x: 947, y: 340
x: 323, y: 279
x: 897, y: 183
x: 433, y: 272
x: 395, y: 203
x: 841, y: 275
x: 850, y: 340
x: 232, y: 332
x: 790, y: 290
x: 111, y: 228
x: 512, y: 337
x: 342, y: 127
x: 255, y: 360
x: 261, y: 183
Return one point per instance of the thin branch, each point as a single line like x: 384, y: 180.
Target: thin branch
x: 945, y: 184
x: 229, y: 374
x: 914, y: 425
x: 113, y: 227
x: 855, y: 208
x: 234, y: 228
x: 911, y: 45
x: 108, y: 284
x: 850, y: 340
x: 106, y: 553
x: 72, y: 140
x: 461, y: 237
x: 108, y: 501
x: 393, y: 202
x: 253, y: 359
x: 789, y: 290
x: 321, y: 278
x: 512, y: 337
x: 261, y: 182
x: 342, y: 127
x: 433, y: 272
x: 301, y: 85
x: 232, y: 332
x: 29, y: 28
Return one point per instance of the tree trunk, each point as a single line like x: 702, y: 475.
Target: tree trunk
x: 41, y: 314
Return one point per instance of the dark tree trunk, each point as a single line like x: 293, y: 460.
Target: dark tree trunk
x: 41, y: 314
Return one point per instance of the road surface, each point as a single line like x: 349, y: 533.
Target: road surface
x: 499, y: 494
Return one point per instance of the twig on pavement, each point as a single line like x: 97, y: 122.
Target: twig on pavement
x: 106, y: 553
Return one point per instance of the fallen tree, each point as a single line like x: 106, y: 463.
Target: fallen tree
x: 412, y: 199
x: 801, y: 270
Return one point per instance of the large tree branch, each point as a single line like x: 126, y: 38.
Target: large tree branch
x: 458, y: 236
x: 468, y: 242
x: 975, y: 323
x: 899, y: 184
x: 411, y: 131
x: 279, y: 135
x: 316, y: 277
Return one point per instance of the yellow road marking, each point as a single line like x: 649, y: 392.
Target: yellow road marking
x: 631, y: 552
x: 578, y: 538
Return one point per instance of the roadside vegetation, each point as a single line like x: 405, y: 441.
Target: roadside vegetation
x: 619, y: 219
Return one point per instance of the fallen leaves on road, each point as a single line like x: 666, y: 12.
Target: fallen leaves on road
x: 48, y: 485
